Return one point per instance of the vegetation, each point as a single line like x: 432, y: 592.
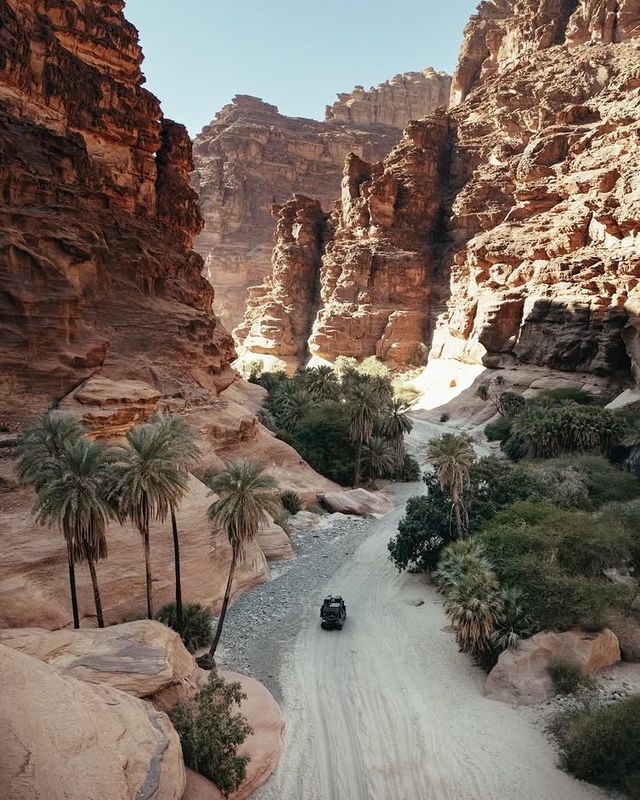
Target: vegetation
x: 557, y: 557
x: 194, y: 628
x: 247, y: 495
x: 451, y: 457
x: 39, y: 450
x: 150, y: 479
x: 291, y: 501
x: 568, y: 677
x: 330, y: 416
x: 601, y: 745
x: 182, y: 441
x: 211, y: 730
x: 71, y: 476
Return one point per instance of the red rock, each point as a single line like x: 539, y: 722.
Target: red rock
x: 251, y: 157
x: 521, y: 676
x: 505, y: 230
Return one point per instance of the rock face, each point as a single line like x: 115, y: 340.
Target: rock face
x: 97, y: 217
x: 505, y: 230
x: 521, y: 676
x: 252, y: 157
x: 64, y: 739
x: 142, y: 658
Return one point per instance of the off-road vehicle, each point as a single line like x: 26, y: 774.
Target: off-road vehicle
x: 333, y: 613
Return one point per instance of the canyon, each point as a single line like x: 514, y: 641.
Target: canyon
x: 504, y: 230
x: 251, y: 159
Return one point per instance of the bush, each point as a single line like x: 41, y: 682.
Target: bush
x: 210, y: 733
x: 196, y: 624
x: 557, y: 557
x: 409, y: 471
x: 445, y: 417
x: 423, y: 531
x: 627, y: 515
x: 602, y: 746
x: 566, y: 394
x: 498, y: 431
x: 291, y: 501
x: 568, y: 677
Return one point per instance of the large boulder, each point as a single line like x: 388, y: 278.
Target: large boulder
x: 521, y: 676
x: 64, y: 739
x: 264, y: 746
x: 274, y: 542
x: 627, y: 629
x: 143, y: 658
x: 357, y: 501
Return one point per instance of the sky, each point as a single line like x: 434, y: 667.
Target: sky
x: 296, y: 54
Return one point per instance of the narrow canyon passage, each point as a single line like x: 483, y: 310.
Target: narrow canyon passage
x: 387, y: 709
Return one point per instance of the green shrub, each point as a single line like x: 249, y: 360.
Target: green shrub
x: 291, y: 501
x: 565, y: 394
x: 196, y: 624
x: 211, y: 731
x: 409, y: 471
x: 445, y: 417
x: 557, y: 557
x: 568, y: 677
x: 499, y: 430
x: 423, y: 531
x: 602, y: 746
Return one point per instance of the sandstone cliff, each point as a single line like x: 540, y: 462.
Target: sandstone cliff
x: 97, y: 217
x: 103, y: 307
x: 251, y: 157
x: 507, y: 228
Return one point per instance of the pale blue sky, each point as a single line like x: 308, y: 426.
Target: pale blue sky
x: 295, y: 54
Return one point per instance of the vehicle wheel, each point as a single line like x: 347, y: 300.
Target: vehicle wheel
x: 324, y: 625
x: 339, y: 626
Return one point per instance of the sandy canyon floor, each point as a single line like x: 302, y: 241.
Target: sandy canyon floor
x: 386, y: 709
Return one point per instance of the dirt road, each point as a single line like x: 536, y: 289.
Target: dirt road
x: 387, y: 709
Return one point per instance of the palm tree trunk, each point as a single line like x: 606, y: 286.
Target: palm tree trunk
x: 96, y: 592
x: 176, y: 559
x: 147, y: 566
x: 72, y: 587
x: 358, y: 461
x: 223, y: 610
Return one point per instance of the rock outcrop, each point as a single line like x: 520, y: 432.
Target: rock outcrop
x: 97, y: 218
x: 521, y: 676
x: 144, y: 659
x: 252, y: 157
x: 65, y: 739
x: 506, y: 229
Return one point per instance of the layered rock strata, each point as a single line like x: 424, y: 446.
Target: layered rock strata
x: 97, y: 218
x: 507, y: 229
x: 252, y: 157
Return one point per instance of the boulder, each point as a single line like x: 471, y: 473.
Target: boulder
x: 274, y: 542
x: 199, y: 788
x: 264, y: 746
x: 627, y: 629
x: 64, y: 739
x: 109, y: 408
x: 357, y: 501
x: 143, y: 658
x: 521, y: 676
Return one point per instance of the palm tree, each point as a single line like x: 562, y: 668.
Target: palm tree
x: 475, y: 607
x: 75, y: 497
x: 378, y: 458
x: 39, y: 449
x: 451, y: 456
x: 291, y: 403
x: 363, y: 407
x: 149, y: 481
x: 322, y: 383
x: 247, y: 495
x: 394, y: 424
x: 182, y: 441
